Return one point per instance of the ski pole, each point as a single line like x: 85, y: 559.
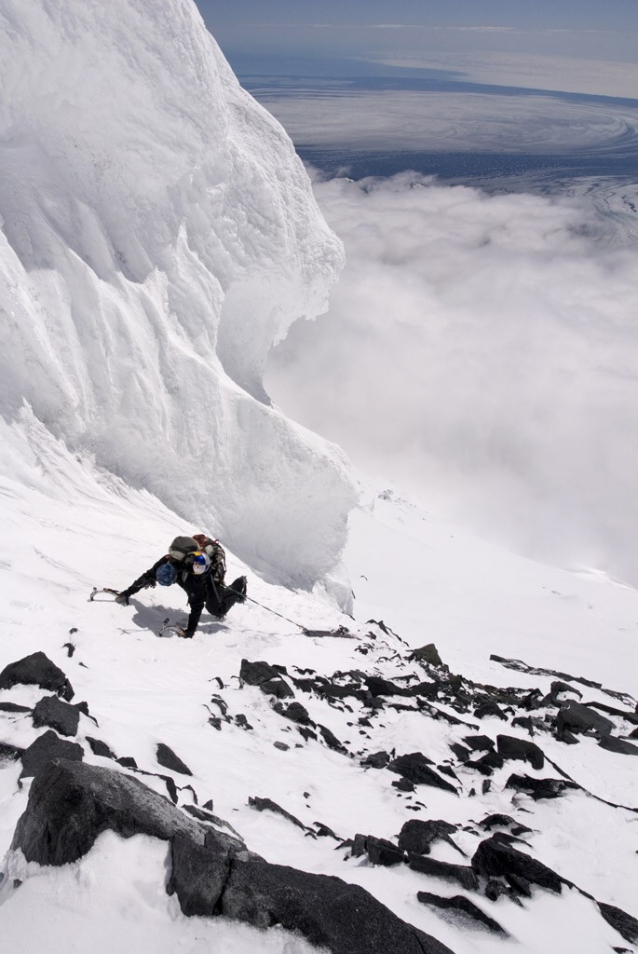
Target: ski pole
x: 269, y: 610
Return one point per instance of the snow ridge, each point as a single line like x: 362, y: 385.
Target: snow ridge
x: 158, y: 235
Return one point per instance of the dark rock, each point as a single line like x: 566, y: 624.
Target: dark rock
x: 379, y: 850
x: 487, y: 763
x: 495, y: 889
x: 461, y: 874
x: 325, y: 910
x: 37, y: 670
x: 497, y: 820
x: 100, y: 748
x: 242, y: 721
x: 404, y: 785
x: 463, y: 906
x: 489, y: 709
x: 71, y: 803
x: 428, y: 690
x: 10, y: 753
x: 70, y: 649
x: 331, y: 739
x: 624, y: 923
x: 58, y: 715
x: 580, y: 718
x: 255, y: 673
x: 281, y: 746
x: 127, y: 761
x: 481, y: 743
x: 540, y: 787
x: 416, y: 768
x: 376, y: 760
x: 45, y: 748
x: 558, y: 688
x: 324, y: 832
x: 216, y: 722
x: 198, y: 875
x: 13, y: 707
x: 634, y: 734
x: 307, y: 733
x: 383, y: 687
x: 295, y: 712
x: 460, y: 751
x: 426, y: 654
x: 494, y: 859
x: 166, y: 757
x: 613, y: 744
x: 449, y: 771
x: 278, y: 688
x: 509, y: 747
x: 266, y: 804
x: 519, y: 885
x: 416, y: 836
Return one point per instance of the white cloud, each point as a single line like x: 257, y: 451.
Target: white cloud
x: 482, y: 351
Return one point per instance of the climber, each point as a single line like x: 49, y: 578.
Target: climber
x: 198, y: 565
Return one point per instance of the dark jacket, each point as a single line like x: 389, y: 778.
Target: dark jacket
x: 196, y: 588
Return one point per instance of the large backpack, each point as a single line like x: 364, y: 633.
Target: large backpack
x: 182, y: 548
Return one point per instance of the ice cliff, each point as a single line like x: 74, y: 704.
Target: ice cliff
x: 158, y: 235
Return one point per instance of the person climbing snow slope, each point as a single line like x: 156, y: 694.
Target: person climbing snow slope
x: 198, y: 565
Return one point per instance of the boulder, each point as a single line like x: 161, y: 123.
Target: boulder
x: 295, y: 712
x: 71, y: 803
x: 45, y: 748
x: 489, y: 708
x: 166, y: 757
x: 495, y: 859
x: 380, y: 851
x: 461, y: 874
x: 464, y: 907
x: 577, y: 717
x: 613, y: 744
x: 37, y: 670
x: 376, y: 760
x: 277, y: 687
x: 481, y: 743
x: 426, y: 654
x: 98, y: 747
x: 383, y: 687
x: 327, y: 911
x: 540, y: 787
x: 510, y: 747
x: 58, y: 715
x: 416, y: 836
x: 416, y: 768
x: 624, y: 923
x: 267, y: 805
x: 256, y: 673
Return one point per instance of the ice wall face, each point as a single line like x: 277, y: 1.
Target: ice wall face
x: 158, y: 234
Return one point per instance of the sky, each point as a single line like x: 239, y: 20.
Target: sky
x: 494, y: 41
x: 479, y: 347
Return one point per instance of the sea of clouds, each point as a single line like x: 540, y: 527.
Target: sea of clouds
x: 481, y: 351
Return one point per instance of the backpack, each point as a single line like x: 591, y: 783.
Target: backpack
x: 181, y: 548
x: 215, y: 551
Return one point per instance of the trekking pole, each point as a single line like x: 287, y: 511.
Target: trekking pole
x: 274, y: 612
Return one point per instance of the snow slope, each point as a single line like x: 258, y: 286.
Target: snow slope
x: 68, y: 526
x: 158, y: 235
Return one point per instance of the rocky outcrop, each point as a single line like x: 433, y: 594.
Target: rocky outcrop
x: 37, y: 670
x: 416, y: 769
x: 58, y: 715
x: 464, y: 908
x: 47, y: 747
x: 212, y: 873
x: 166, y: 757
x: 493, y: 858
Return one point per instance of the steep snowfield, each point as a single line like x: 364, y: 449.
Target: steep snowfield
x: 158, y: 234
x: 427, y: 581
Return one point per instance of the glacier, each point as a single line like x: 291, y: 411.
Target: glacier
x: 158, y: 235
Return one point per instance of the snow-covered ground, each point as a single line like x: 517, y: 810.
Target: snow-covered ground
x: 69, y: 526
x: 158, y: 234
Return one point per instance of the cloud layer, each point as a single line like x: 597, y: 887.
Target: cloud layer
x: 482, y: 352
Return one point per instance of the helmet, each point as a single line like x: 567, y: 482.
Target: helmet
x: 166, y: 574
x: 201, y: 563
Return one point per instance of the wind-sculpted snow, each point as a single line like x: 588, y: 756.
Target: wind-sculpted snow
x: 158, y: 234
